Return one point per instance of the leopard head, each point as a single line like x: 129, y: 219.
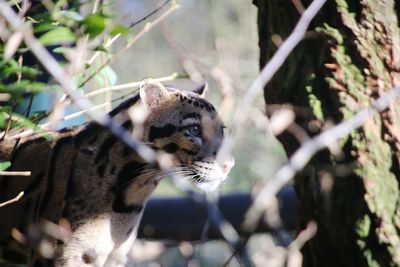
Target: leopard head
x: 186, y: 126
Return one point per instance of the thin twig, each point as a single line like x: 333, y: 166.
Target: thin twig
x: 145, y: 29
x: 119, y: 87
x: 226, y: 230
x: 237, y: 250
x: 294, y: 256
x: 114, y: 38
x: 268, y: 72
x: 107, y: 45
x: 15, y: 173
x: 133, y: 24
x: 307, y: 150
x: 304, y: 236
x: 47, y: 125
x: 61, y: 76
x: 15, y: 199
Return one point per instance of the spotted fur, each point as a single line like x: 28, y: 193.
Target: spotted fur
x: 100, y: 186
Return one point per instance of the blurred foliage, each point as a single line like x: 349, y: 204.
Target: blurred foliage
x: 4, y: 165
x: 59, y: 27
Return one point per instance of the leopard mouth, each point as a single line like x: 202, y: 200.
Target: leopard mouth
x: 208, y: 176
x: 205, y: 175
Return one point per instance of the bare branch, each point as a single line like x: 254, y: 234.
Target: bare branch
x: 269, y: 70
x: 295, y: 258
x: 15, y: 173
x: 48, y: 125
x: 307, y: 150
x: 15, y: 199
x: 108, y: 43
x: 129, y: 85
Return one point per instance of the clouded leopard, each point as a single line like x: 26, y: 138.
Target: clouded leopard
x: 87, y: 177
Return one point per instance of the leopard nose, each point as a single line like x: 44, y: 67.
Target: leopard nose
x: 228, y: 164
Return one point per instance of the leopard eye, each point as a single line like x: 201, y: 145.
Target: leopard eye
x: 194, y: 130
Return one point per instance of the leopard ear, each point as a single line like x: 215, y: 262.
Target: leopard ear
x: 153, y: 94
x: 201, y: 90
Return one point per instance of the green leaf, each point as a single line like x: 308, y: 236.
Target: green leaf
x: 102, y: 48
x: 4, y: 165
x: 24, y: 122
x: 119, y: 29
x: 25, y: 86
x: 72, y: 15
x: 3, y: 118
x: 30, y: 72
x: 62, y: 50
x: 44, y: 27
x: 106, y: 76
x: 60, y: 35
x: 94, y: 25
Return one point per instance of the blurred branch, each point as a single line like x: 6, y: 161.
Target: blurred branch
x: 269, y: 70
x: 15, y: 199
x: 187, y: 219
x: 59, y: 74
x: 108, y: 43
x: 294, y: 257
x: 223, y: 228
x: 47, y: 125
x: 15, y: 173
x: 119, y: 87
x: 307, y: 150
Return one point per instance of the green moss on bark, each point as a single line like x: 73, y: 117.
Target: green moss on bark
x: 357, y: 87
x: 354, y: 60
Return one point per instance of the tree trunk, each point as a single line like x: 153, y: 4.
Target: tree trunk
x: 350, y: 56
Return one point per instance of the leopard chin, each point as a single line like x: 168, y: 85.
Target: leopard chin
x: 209, y: 186
x: 209, y: 175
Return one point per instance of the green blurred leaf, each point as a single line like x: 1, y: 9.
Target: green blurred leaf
x: 4, y: 111
x: 44, y: 27
x: 24, y: 122
x: 94, y: 25
x: 38, y: 116
x: 60, y: 35
x: 106, y: 77
x: 24, y: 86
x: 119, y: 29
x: 62, y: 50
x: 4, y: 165
x: 8, y: 70
x: 102, y: 48
x: 73, y: 15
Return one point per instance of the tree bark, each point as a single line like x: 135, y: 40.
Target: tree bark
x: 349, y: 57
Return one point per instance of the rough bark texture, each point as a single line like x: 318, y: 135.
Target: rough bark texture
x: 350, y: 57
